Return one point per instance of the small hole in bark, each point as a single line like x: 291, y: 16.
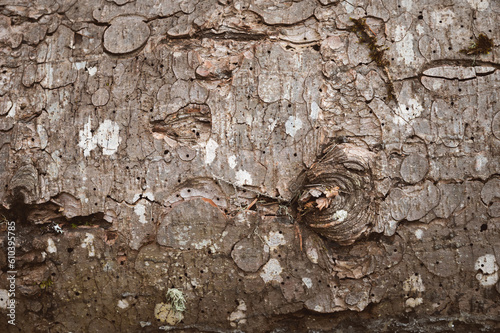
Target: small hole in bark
x: 320, y: 90
x: 77, y: 293
x: 420, y: 17
x: 187, y: 155
x: 251, y: 68
x: 450, y: 48
x: 189, y: 191
x: 437, y: 262
x: 122, y: 262
x: 201, y: 271
x: 295, y: 154
x: 177, y: 195
x: 440, y: 21
x: 166, y: 152
x: 484, y: 227
x: 268, y: 52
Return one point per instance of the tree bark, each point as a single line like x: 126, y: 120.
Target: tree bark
x: 279, y: 166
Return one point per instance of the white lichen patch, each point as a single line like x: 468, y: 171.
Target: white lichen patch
x: 442, y: 18
x: 203, y: 244
x: 411, y: 110
x: 140, y: 211
x: 210, y: 151
x: 271, y: 271
x: 88, y: 243
x: 12, y: 111
x: 123, y: 304
x: 413, y: 302
x: 87, y: 142
x: 51, y: 246
x: 406, y: 4
x: 414, y: 284
x: 243, y: 177
x: 314, y: 111
x: 293, y: 125
x: 481, y: 162
x: 319, y: 308
x: 231, y: 160
x: 274, y: 240
x: 312, y: 254
x: 340, y: 215
x: 107, y: 137
x: 92, y: 71
x: 405, y: 50
x: 238, y: 316
x: 272, y: 124
x: 165, y: 314
x: 79, y: 65
x: 419, y: 233
x: 479, y: 5
x: 400, y: 32
x: 307, y: 282
x: 488, y: 268
x: 42, y: 134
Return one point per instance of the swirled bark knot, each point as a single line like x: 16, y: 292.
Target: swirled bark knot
x: 336, y: 200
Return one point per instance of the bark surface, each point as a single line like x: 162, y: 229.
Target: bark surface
x: 289, y: 166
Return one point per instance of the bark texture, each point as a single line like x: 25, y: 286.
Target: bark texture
x: 290, y: 166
